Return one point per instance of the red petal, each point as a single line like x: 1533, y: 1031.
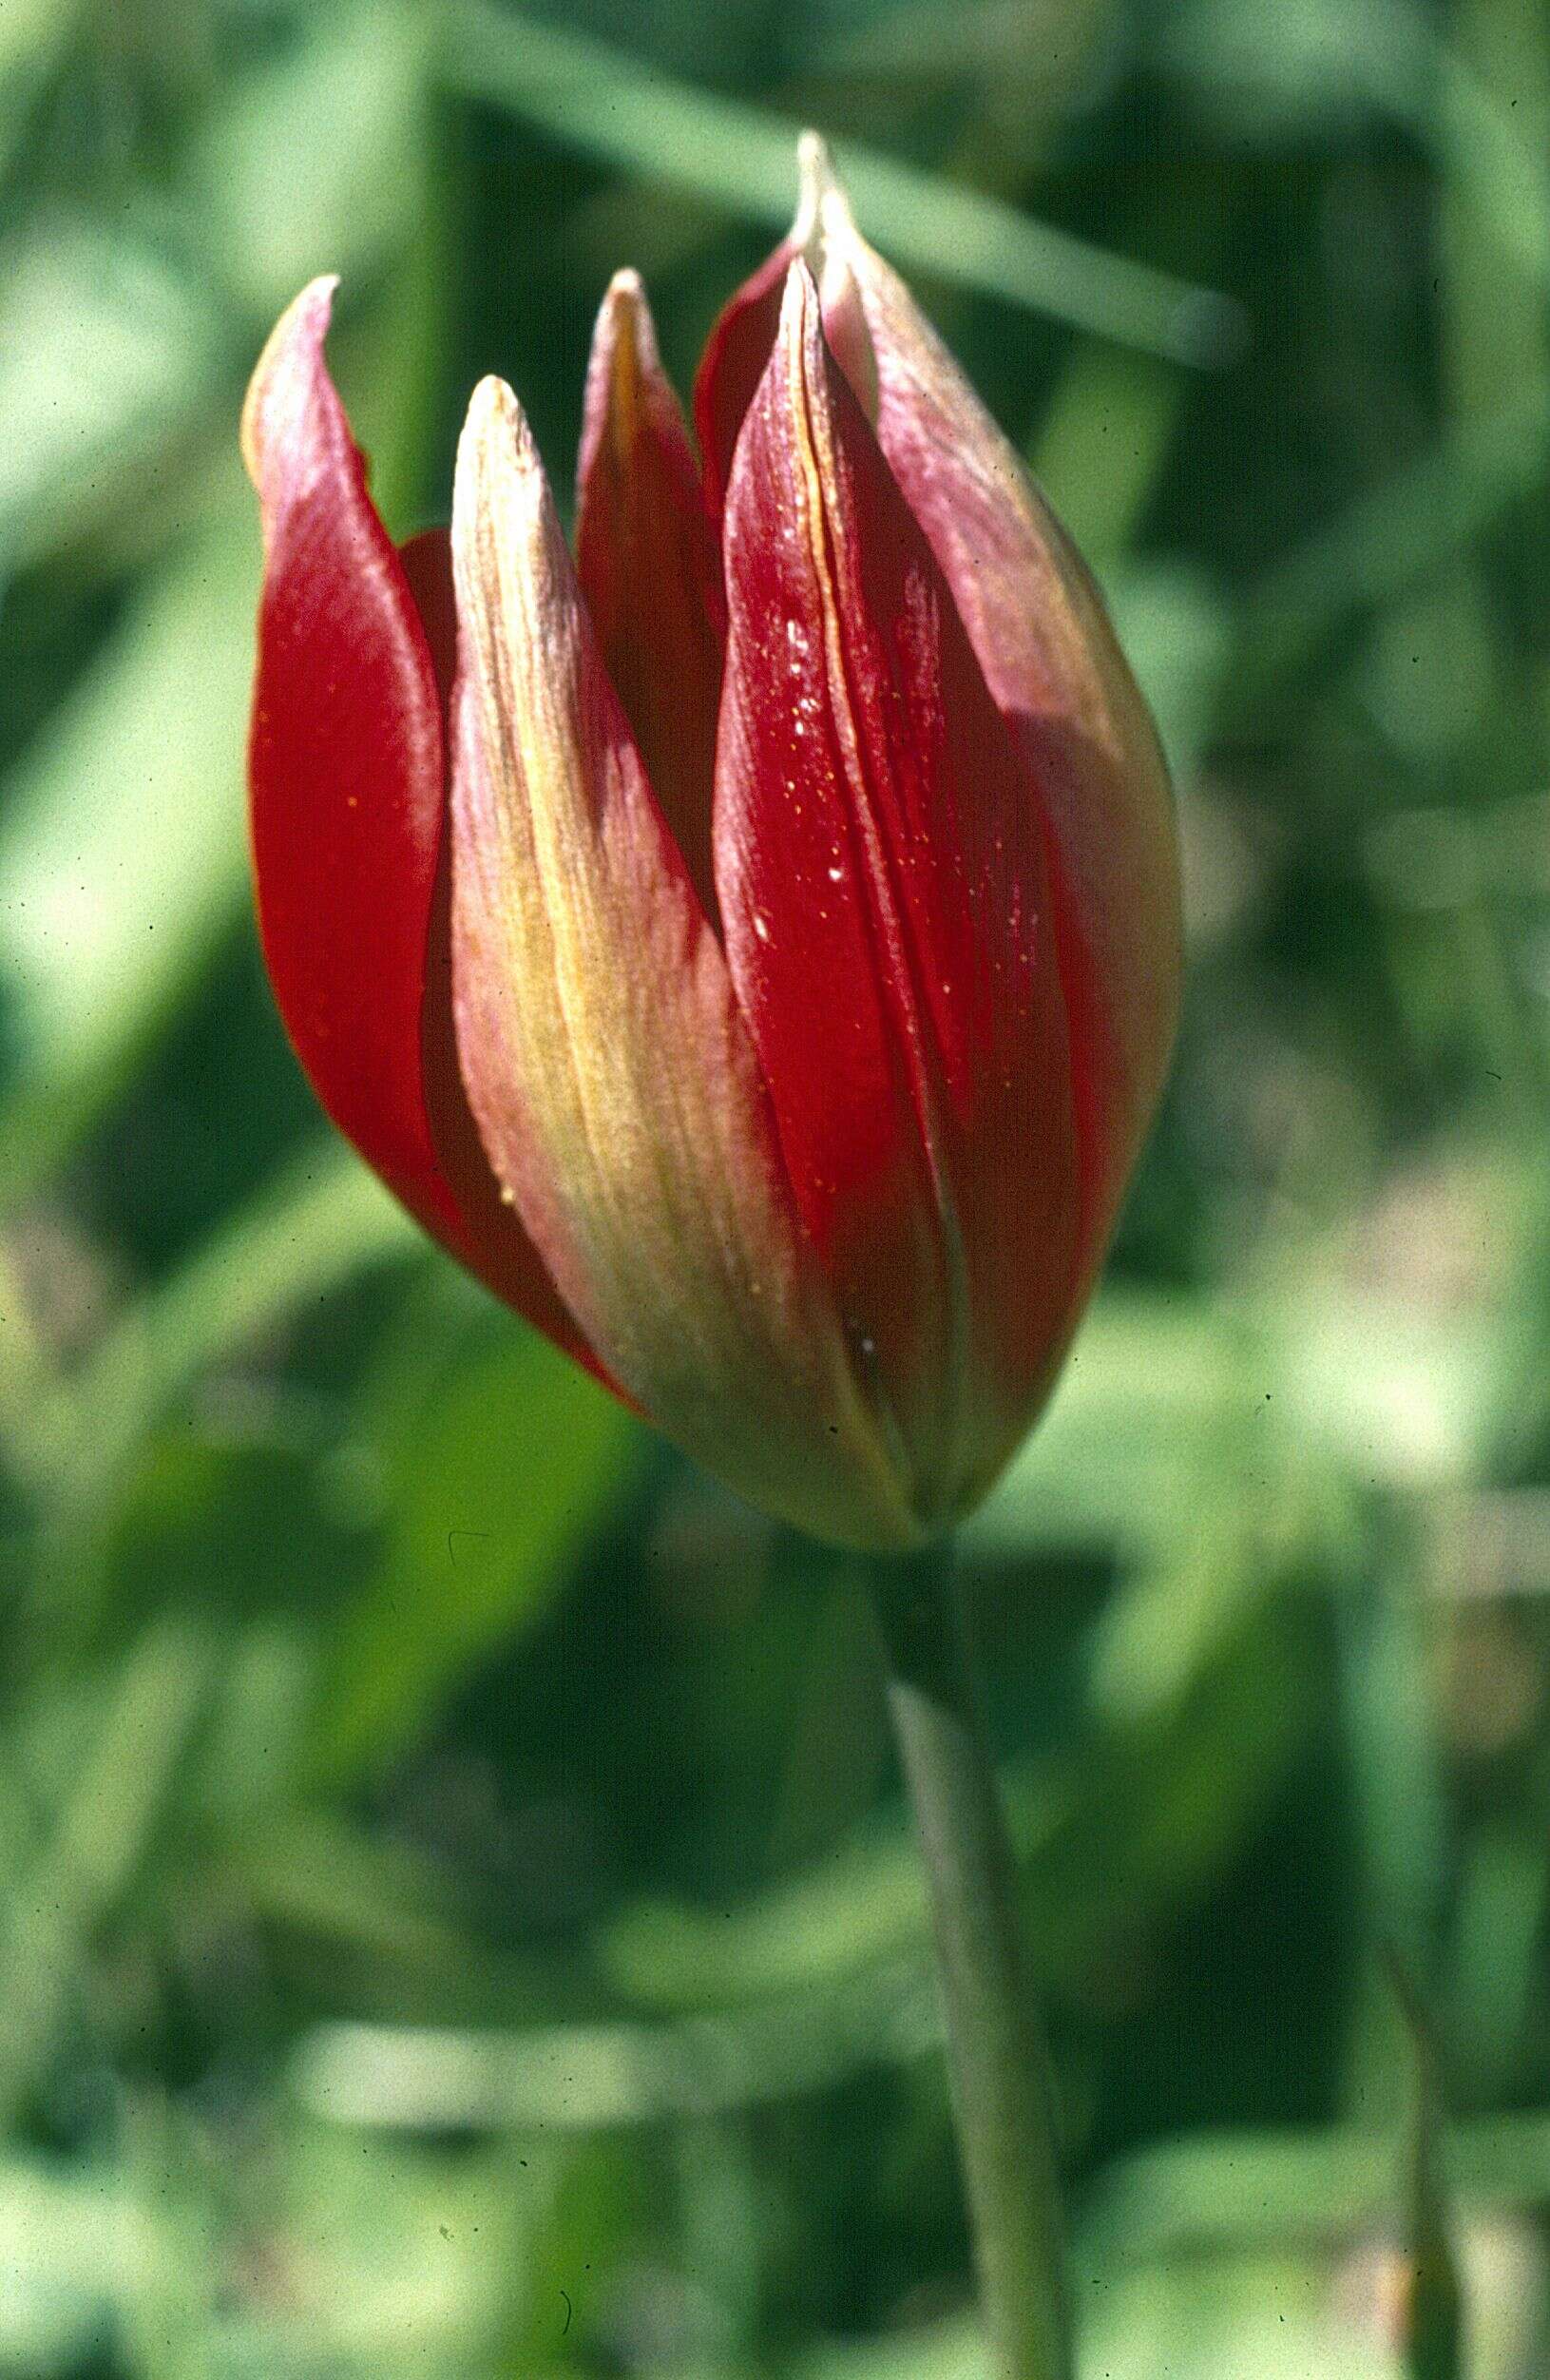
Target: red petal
x: 1039, y: 628
x: 732, y: 364
x: 647, y: 559
x: 347, y: 771
x: 887, y: 909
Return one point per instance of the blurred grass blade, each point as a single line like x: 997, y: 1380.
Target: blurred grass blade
x: 586, y: 2078
x: 106, y: 351
x: 87, y: 1859
x: 1433, y: 506
x: 626, y: 114
x: 1265, y: 2189
x: 1145, y: 1808
x: 500, y: 1471
x: 122, y: 847
x: 1494, y: 245
x: 35, y: 37
x: 323, y: 1221
x: 348, y: 96
x: 316, y: 1875
x: 1431, y: 2313
x: 1298, y: 67
x: 67, y: 2229
x: 125, y: 337
x: 946, y: 2351
x: 1486, y: 154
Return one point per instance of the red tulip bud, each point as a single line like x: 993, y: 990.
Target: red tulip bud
x: 760, y: 965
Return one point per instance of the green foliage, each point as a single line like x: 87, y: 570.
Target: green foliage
x: 456, y: 1915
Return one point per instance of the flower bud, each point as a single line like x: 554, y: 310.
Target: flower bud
x: 752, y: 946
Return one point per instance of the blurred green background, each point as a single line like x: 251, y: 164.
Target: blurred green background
x: 456, y: 1916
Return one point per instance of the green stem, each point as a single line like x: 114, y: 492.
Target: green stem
x: 1002, y: 2089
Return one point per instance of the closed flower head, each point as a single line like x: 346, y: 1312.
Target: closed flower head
x: 749, y: 942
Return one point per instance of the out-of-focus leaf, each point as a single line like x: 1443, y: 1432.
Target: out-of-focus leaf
x: 1431, y: 2316
x: 1270, y: 2319
x: 327, y: 1219
x: 1127, y: 1824
x: 1408, y: 1397
x: 66, y: 2228
x: 1285, y: 2311
x: 1176, y: 629
x: 121, y: 352
x: 106, y: 351
x: 1495, y: 230
x: 944, y: 2351
x: 349, y: 98
x: 1432, y: 507
x: 1101, y: 452
x: 979, y: 39
x: 1295, y: 68
x: 593, y: 2077
x: 326, y: 1881
x: 122, y: 856
x: 1300, y: 65
x: 1154, y: 1388
x: 1274, y: 1400
x: 1257, y: 2188
x: 408, y: 2275
x: 499, y: 1474
x: 735, y: 156
x: 34, y: 36
x: 85, y: 1856
x: 1102, y: 444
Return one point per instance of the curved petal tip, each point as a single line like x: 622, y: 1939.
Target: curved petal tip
x: 285, y: 379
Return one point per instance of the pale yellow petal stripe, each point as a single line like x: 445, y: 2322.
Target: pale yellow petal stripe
x: 606, y: 1057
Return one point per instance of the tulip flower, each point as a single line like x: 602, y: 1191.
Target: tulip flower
x: 750, y: 945
x: 751, y: 942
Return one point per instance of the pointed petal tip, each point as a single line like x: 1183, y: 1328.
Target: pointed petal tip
x: 626, y: 291
x: 497, y: 438
x: 647, y: 558
x: 623, y: 355
x: 824, y: 207
x: 281, y: 378
x: 817, y: 315
x: 795, y: 379
x: 491, y: 402
x: 816, y: 173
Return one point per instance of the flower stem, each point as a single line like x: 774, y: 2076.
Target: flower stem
x: 1003, y: 2094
